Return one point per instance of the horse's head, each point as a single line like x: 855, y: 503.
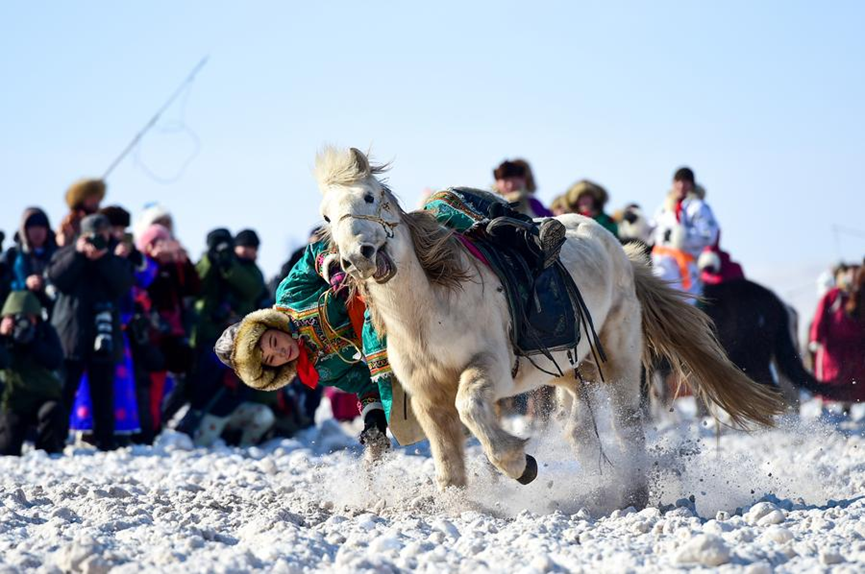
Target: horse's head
x: 362, y: 213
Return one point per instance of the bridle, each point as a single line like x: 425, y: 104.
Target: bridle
x: 383, y: 205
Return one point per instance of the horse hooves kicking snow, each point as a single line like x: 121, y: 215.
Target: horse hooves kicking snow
x: 531, y: 471
x: 448, y: 327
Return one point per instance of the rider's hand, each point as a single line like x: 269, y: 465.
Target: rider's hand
x: 374, y: 426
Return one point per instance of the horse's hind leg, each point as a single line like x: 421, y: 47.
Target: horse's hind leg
x: 579, y: 422
x: 476, y: 400
x: 623, y: 340
x: 441, y: 424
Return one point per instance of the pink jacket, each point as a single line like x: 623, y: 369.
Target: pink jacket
x: 841, y: 354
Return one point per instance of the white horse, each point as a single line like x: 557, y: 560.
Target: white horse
x: 447, y: 324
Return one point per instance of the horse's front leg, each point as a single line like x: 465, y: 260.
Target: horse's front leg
x: 441, y: 424
x: 476, y: 402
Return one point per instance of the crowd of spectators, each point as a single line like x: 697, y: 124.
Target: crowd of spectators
x: 107, y: 334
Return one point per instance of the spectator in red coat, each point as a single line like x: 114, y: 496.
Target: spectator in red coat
x: 838, y: 337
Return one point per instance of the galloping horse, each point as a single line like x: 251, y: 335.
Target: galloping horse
x: 447, y: 324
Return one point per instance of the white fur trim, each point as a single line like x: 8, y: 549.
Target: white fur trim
x: 709, y: 260
x: 370, y: 407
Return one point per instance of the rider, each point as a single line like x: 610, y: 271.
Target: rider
x: 684, y: 226
x: 321, y: 333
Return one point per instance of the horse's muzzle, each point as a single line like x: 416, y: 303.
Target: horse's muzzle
x: 362, y: 262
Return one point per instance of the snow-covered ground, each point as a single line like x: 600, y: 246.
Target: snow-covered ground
x: 791, y: 500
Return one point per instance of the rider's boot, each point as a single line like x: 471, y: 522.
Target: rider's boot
x: 541, y: 241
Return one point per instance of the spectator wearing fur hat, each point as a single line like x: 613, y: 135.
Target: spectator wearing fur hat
x: 515, y: 182
x: 29, y: 257
x: 83, y: 198
x: 91, y: 280
x: 588, y: 198
x: 684, y: 227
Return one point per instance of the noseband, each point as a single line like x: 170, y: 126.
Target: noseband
x: 377, y: 218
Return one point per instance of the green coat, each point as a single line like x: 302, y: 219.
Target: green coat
x: 31, y: 378
x: 342, y: 360
x: 227, y: 295
x: 608, y: 223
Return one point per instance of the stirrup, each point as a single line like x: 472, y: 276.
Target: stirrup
x: 551, y: 237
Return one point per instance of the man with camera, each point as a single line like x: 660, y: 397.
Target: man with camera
x: 91, y: 280
x: 30, y: 390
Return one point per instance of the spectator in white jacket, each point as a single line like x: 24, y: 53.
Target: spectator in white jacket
x: 684, y: 226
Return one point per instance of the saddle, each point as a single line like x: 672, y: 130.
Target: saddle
x: 545, y: 305
x: 543, y: 312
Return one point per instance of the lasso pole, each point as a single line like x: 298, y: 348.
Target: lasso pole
x: 189, y: 78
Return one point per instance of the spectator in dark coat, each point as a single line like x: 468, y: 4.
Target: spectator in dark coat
x: 5, y: 273
x: 30, y: 390
x: 91, y: 280
x: 28, y: 258
x: 232, y: 286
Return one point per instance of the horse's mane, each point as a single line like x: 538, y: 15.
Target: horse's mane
x: 339, y: 166
x: 437, y: 249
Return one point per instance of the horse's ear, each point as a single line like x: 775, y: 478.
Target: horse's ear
x: 361, y: 161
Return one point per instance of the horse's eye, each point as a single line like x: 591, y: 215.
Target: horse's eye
x: 368, y: 198
x: 327, y: 219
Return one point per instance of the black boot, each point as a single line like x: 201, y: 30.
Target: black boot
x: 551, y: 237
x: 540, y: 241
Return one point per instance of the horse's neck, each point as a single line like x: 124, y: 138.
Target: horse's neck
x: 408, y: 299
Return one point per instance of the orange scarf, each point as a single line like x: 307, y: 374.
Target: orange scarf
x: 682, y: 258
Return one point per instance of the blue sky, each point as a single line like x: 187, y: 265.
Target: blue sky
x: 764, y: 100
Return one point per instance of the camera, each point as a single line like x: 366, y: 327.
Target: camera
x: 23, y: 330
x: 97, y: 241
x: 103, y: 317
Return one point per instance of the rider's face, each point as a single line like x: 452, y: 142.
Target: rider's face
x: 277, y: 348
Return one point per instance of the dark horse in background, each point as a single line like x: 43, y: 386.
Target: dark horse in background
x: 757, y: 330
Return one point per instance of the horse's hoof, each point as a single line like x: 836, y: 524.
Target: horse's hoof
x: 531, y: 471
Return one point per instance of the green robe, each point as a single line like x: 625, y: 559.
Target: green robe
x: 357, y: 366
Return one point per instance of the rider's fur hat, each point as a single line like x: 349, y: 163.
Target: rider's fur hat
x: 82, y: 189
x: 238, y: 348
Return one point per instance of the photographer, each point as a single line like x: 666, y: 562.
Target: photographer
x: 230, y: 289
x: 30, y: 390
x: 91, y: 280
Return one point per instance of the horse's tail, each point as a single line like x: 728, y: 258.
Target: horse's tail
x: 685, y: 337
x: 786, y: 357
